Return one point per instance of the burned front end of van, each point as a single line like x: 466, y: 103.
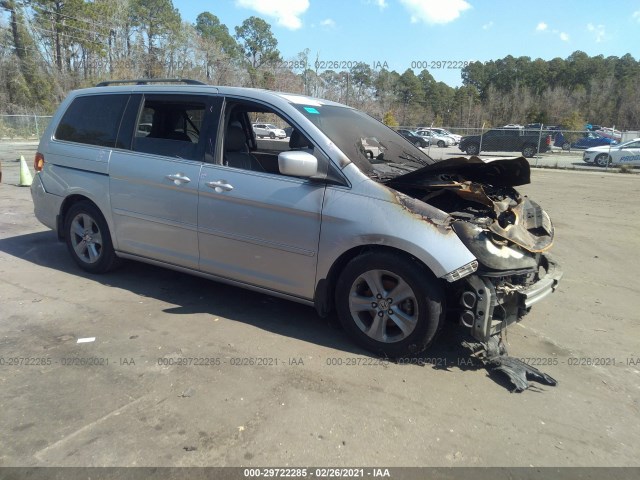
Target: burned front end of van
x: 508, y: 233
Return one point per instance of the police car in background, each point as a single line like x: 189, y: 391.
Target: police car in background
x: 627, y: 153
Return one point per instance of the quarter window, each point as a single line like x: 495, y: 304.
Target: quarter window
x: 93, y: 120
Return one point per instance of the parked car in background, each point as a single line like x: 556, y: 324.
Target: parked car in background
x: 444, y: 133
x: 434, y: 138
x: 610, y: 133
x: 591, y: 139
x: 544, y: 131
x: 559, y: 140
x: 506, y: 140
x: 627, y: 153
x: 144, y: 129
x: 417, y: 140
x: 513, y: 125
x: 268, y: 130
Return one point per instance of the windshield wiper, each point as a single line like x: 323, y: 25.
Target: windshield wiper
x: 412, y: 158
x: 382, y: 177
x: 399, y: 166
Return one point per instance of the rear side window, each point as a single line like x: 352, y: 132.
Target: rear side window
x: 170, y: 127
x: 93, y: 120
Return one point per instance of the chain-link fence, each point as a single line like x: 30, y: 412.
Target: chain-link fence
x: 22, y: 127
x: 30, y: 127
x: 529, y: 142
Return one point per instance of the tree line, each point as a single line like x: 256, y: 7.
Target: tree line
x: 49, y: 47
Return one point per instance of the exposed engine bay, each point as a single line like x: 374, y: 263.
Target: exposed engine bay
x: 507, y: 232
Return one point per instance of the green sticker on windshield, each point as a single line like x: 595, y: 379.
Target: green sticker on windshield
x: 312, y: 110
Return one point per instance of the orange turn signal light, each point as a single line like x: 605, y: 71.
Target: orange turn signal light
x: 38, y: 162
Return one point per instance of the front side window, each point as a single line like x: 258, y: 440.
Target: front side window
x: 93, y: 120
x: 254, y: 135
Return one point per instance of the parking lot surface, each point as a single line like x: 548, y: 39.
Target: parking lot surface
x: 174, y: 370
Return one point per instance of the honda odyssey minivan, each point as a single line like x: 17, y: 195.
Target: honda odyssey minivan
x: 347, y: 216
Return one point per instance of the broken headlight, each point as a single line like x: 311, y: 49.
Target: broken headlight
x: 493, y: 252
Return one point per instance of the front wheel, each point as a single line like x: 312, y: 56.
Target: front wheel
x: 389, y: 304
x: 566, y: 146
x: 528, y: 151
x: 441, y: 143
x: 88, y: 238
x: 272, y: 135
x: 603, y: 160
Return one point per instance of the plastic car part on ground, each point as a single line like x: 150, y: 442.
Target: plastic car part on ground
x: 494, y: 357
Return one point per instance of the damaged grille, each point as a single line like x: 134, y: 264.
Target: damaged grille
x: 510, y: 283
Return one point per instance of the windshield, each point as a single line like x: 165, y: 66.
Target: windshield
x: 376, y: 149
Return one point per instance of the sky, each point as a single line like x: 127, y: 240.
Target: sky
x: 401, y: 34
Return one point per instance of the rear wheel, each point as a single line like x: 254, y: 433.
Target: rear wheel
x: 472, y: 149
x: 88, y: 238
x: 528, y: 151
x: 603, y: 160
x: 566, y: 146
x: 389, y: 304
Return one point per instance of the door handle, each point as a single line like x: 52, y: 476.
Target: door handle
x: 220, y: 185
x: 178, y: 178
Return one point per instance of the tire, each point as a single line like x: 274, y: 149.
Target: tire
x: 566, y: 146
x: 415, y: 318
x: 441, y: 143
x: 272, y: 135
x: 602, y: 160
x: 417, y: 144
x: 84, y: 222
x: 529, y: 151
x: 472, y: 149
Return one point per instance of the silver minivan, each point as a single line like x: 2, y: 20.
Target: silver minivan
x: 346, y: 216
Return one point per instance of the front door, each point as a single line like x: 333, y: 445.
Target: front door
x: 255, y: 225
x: 260, y: 228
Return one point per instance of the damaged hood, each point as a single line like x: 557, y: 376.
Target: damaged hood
x: 509, y: 172
x: 481, y: 193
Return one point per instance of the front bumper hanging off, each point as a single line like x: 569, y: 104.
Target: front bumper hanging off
x: 490, y: 303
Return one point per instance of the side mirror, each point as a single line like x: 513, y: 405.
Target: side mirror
x: 298, y: 163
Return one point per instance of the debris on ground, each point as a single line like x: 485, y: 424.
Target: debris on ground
x: 187, y: 393
x: 494, y: 357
